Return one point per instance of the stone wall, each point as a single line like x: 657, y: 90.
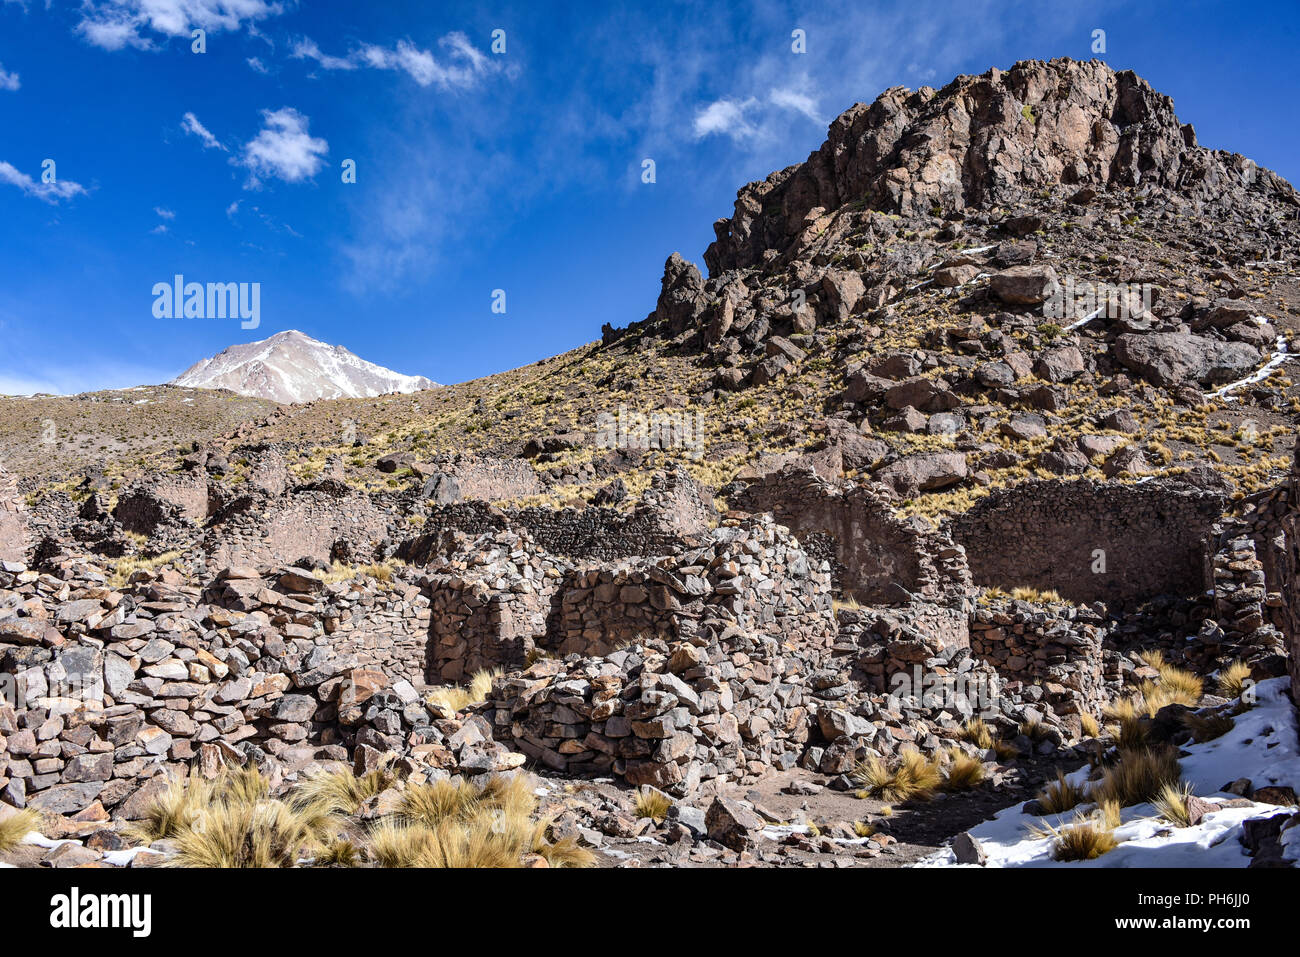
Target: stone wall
x: 168, y: 499
x: 491, y: 605
x: 672, y: 512
x: 15, y: 539
x: 879, y: 558
x: 753, y: 572
x: 1056, y: 649
x: 107, y: 690
x: 324, y: 521
x: 1049, y: 535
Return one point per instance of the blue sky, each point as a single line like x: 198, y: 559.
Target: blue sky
x: 476, y: 170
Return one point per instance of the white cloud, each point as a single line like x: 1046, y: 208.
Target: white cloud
x: 283, y: 149
x: 459, y: 67
x: 256, y: 65
x: 160, y: 229
x: 792, y: 99
x: 232, y: 209
x: 306, y: 49
x: 51, y: 193
x: 190, y: 124
x: 115, y: 24
x: 164, y: 213
x: 726, y: 117
x: 8, y: 81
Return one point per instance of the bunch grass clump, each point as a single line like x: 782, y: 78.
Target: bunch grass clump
x: 913, y: 777
x: 454, y: 824
x: 977, y: 732
x: 1084, y: 840
x: 1171, y: 803
x: 1138, y: 777
x: 1060, y: 796
x: 341, y: 791
x: 17, y: 826
x: 1233, y: 678
x: 963, y: 771
x: 653, y: 804
x: 457, y: 698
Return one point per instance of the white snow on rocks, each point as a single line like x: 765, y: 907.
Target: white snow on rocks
x: 1262, y: 746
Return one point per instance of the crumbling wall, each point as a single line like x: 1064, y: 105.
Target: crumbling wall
x: 490, y: 606
x: 1091, y: 541
x: 753, y: 573
x: 674, y: 511
x: 879, y: 558
x: 1057, y: 649
x: 172, y: 499
x: 15, y: 539
x: 326, y: 521
x: 490, y: 479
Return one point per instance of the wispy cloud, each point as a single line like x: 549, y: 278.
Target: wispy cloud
x: 307, y: 49
x: 190, y: 124
x: 283, y: 149
x: 256, y: 65
x: 755, y: 119
x: 116, y: 24
x: 8, y: 81
x: 460, y: 65
x: 164, y: 213
x: 726, y: 117
x: 51, y: 193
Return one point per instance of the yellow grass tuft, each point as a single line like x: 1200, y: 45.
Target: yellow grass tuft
x: 1089, y: 726
x: 1084, y: 840
x: 975, y: 731
x: 963, y: 772
x: 437, y: 801
x: 1171, y: 803
x: 1060, y: 796
x: 1181, y: 686
x: 1138, y: 777
x: 913, y: 777
x: 1233, y: 678
x: 260, y: 833
x: 456, y: 698
x: 341, y: 791
x: 173, y: 811
x: 1036, y: 596
x: 17, y: 826
x: 652, y: 804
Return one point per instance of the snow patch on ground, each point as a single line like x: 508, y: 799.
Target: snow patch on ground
x: 1262, y: 746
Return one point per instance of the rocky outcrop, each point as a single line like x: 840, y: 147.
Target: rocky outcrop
x: 985, y: 140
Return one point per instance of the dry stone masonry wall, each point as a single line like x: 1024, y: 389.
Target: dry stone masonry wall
x: 1150, y: 539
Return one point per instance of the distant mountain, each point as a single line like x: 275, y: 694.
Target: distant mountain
x: 293, y: 367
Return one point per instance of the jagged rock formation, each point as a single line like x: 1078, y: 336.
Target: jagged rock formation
x: 984, y: 141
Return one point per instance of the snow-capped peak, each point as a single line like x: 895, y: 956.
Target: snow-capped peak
x: 293, y: 367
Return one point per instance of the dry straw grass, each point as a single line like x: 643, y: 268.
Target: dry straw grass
x: 653, y: 804
x: 1138, y: 777
x: 457, y: 698
x: 233, y: 822
x: 1060, y: 796
x: 17, y: 826
x: 1233, y: 678
x: 913, y: 777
